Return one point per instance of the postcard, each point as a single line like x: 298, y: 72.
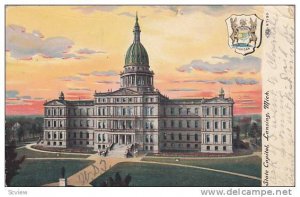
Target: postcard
x: 149, y: 95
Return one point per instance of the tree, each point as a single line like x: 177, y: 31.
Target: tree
x: 117, y: 182
x: 20, y: 133
x: 236, y: 131
x: 12, y: 163
x: 254, y: 131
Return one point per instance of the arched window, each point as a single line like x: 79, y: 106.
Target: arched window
x: 49, y: 135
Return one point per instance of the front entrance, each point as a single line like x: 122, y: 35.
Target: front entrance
x: 123, y: 138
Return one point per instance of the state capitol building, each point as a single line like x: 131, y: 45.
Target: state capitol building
x: 137, y: 113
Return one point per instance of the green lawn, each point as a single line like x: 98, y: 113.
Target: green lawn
x: 247, y: 165
x: 35, y: 154
x: 40, y: 172
x: 144, y: 174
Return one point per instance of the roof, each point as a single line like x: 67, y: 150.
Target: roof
x: 70, y: 103
x: 136, y: 55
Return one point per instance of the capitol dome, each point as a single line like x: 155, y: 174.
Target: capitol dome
x: 136, y: 53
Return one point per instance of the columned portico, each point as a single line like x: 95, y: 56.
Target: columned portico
x: 123, y: 138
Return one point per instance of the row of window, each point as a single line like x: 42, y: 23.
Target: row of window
x: 122, y: 111
x: 55, y: 112
x: 208, y: 148
x: 180, y: 123
x: 216, y: 111
x: 101, y: 137
x: 71, y: 112
x: 81, y: 135
x: 54, y: 143
x: 216, y: 139
x: 165, y: 145
x: 180, y: 136
x: 149, y: 138
x: 124, y: 100
x: 56, y: 135
x: 187, y: 124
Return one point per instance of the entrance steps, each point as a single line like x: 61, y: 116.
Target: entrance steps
x: 118, y: 151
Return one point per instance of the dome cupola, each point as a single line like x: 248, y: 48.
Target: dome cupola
x: 136, y: 53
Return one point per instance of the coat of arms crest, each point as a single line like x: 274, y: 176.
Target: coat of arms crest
x: 244, y: 33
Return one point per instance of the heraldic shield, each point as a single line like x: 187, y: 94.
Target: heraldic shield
x: 244, y: 33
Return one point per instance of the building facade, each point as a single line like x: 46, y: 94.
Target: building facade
x: 137, y: 113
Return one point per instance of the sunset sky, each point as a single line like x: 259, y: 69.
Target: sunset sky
x: 78, y: 50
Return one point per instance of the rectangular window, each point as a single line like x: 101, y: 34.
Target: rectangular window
x: 187, y: 137
x: 224, y: 148
x: 207, y: 147
x: 165, y: 124
x: 216, y: 125
x: 179, y: 111
x: 207, y: 125
x: 180, y: 124
x: 188, y: 123
x: 196, y: 111
x: 207, y: 111
x: 207, y: 138
x: 172, y: 123
x: 188, y: 111
x: 216, y: 148
x: 224, y: 125
x: 216, y: 111
x: 196, y: 137
x: 216, y: 138
x: 224, y: 111
x: 172, y: 111
x: 196, y: 123
x: 224, y: 138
